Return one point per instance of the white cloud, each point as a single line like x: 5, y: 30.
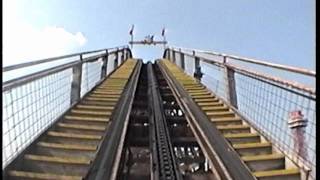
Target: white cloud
x: 23, y: 42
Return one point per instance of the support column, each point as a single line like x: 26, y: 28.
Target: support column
x: 230, y: 84
x: 298, y: 125
x: 76, y: 82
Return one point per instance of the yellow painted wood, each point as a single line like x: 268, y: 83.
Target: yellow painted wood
x: 103, y: 99
x: 85, y: 118
x: 107, y: 92
x: 251, y: 145
x: 104, y: 95
x: 220, y: 113
x: 95, y: 107
x: 210, y: 104
x: 208, y: 100
x: 73, y: 135
x: 82, y: 127
x: 55, y: 159
x: 99, y: 103
x: 68, y: 146
x: 231, y: 127
x: 91, y: 112
x: 240, y: 135
x: 199, y: 92
x: 282, y: 172
x: 202, y: 96
x: 214, y: 108
x: 47, y: 176
x: 225, y: 119
x: 263, y: 157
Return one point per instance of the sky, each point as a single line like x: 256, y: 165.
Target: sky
x: 277, y: 31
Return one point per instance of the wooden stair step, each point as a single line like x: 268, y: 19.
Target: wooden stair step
x: 91, y: 112
x: 104, y: 95
x: 240, y: 135
x: 67, y: 146
x: 215, y: 108
x: 73, y: 135
x: 98, y: 103
x: 82, y: 127
x: 251, y: 145
x: 215, y: 104
x: 100, y: 92
x: 227, y: 127
x: 262, y: 157
x: 272, y: 173
x: 265, y: 162
x: 37, y: 175
x: 95, y: 107
x: 208, y: 100
x: 221, y: 113
x: 102, y: 99
x: 55, y: 159
x: 199, y: 92
x: 202, y: 96
x: 225, y: 119
x: 86, y: 118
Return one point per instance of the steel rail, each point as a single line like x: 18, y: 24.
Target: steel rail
x: 253, y: 61
x: 167, y: 167
x: 107, y: 159
x: 228, y: 155
x: 251, y: 73
x: 31, y: 77
x: 51, y: 59
x: 291, y: 84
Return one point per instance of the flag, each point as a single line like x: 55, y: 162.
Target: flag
x: 131, y: 30
x: 163, y: 31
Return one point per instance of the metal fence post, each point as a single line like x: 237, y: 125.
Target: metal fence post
x: 122, y: 56
x: 104, y: 65
x: 173, y: 56
x: 230, y: 84
x: 168, y: 54
x: 76, y: 82
x: 197, y: 68
x: 182, y: 59
x: 125, y: 54
x: 116, y: 59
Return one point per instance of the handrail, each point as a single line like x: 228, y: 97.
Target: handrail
x: 239, y: 69
x: 31, y: 77
x: 51, y: 59
x: 254, y: 61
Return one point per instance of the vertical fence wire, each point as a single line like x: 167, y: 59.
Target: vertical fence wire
x: 267, y: 105
x: 189, y: 65
x: 30, y: 109
x: 91, y: 74
x: 213, y: 78
x: 111, y: 62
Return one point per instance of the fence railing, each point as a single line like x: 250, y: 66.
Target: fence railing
x: 282, y: 110
x: 37, y: 93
